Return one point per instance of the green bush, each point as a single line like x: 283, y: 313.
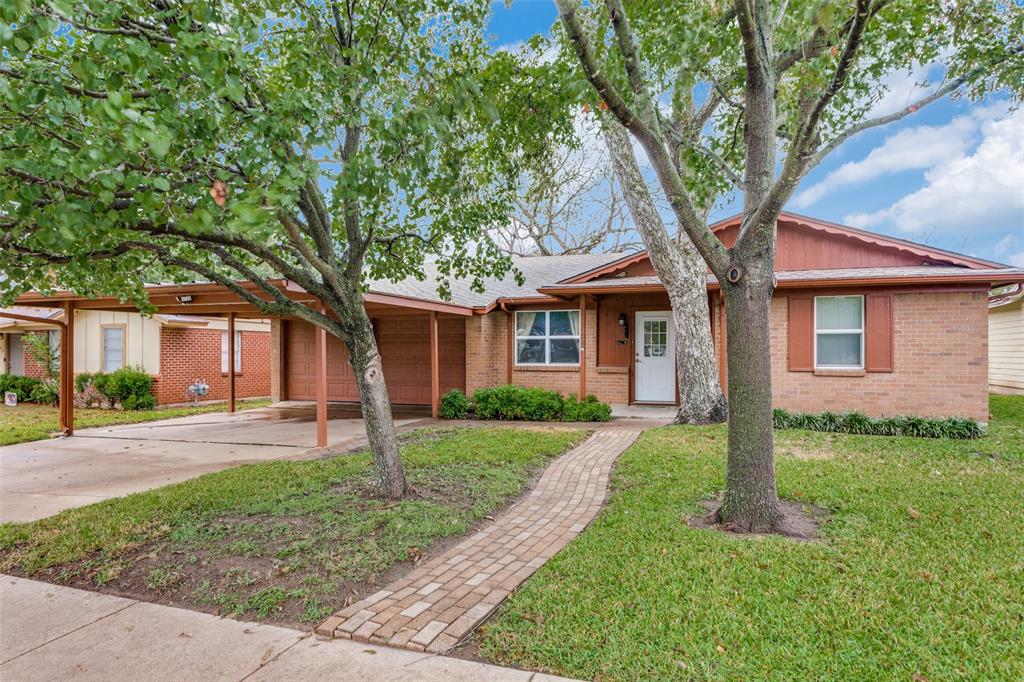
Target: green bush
x: 45, y: 393
x: 23, y: 387
x: 857, y: 423
x: 82, y: 381
x: 589, y: 410
x: 454, y: 405
x: 512, y: 402
x: 139, y: 402
x: 129, y: 386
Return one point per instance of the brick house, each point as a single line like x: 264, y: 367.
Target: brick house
x: 174, y: 349
x: 860, y: 321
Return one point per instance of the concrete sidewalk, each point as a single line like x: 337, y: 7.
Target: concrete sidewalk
x: 49, y: 632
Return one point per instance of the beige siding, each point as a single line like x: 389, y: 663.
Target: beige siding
x: 1006, y: 347
x: 141, y: 340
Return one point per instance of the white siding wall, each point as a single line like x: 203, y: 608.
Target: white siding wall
x: 141, y: 340
x: 1006, y: 347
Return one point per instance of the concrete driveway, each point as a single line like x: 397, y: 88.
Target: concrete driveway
x: 41, y: 478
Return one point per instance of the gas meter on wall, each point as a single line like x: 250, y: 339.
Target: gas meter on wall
x: 198, y: 389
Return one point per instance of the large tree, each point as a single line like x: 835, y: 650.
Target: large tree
x: 325, y: 142
x: 570, y: 202
x: 753, y: 94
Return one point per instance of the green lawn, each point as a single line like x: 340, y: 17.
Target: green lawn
x: 285, y: 542
x: 921, y: 571
x: 28, y: 422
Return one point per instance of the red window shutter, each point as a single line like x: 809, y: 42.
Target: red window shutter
x: 878, y: 333
x: 801, y: 334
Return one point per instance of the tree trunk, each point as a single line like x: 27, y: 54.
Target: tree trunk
x: 684, y: 275
x: 373, y: 393
x: 751, y: 502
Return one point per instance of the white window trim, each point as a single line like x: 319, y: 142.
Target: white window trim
x: 224, y: 352
x: 860, y: 331
x: 546, y: 339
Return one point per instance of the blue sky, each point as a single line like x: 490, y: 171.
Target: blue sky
x: 951, y: 175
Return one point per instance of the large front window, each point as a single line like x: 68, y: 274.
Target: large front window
x: 548, y: 337
x: 839, y: 332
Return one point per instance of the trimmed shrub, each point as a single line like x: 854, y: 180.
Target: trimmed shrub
x: 857, y: 423
x: 590, y: 409
x: 454, y: 405
x: 23, y: 387
x: 130, y: 387
x: 512, y: 402
x: 45, y: 393
x: 139, y: 402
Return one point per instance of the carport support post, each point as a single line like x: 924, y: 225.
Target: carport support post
x: 67, y: 370
x: 321, y: 385
x: 231, y: 362
x: 435, y: 367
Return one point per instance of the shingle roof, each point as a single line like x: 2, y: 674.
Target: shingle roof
x: 539, y: 271
x: 811, y: 276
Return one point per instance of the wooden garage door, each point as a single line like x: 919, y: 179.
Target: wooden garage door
x: 404, y: 344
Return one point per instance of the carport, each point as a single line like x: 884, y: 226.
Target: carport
x: 422, y: 344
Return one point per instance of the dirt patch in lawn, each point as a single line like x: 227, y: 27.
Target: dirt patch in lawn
x: 799, y: 521
x: 290, y: 570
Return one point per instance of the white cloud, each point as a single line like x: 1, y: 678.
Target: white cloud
x: 900, y: 88
x: 977, y: 191
x: 1017, y: 259
x: 1003, y: 246
x: 909, y: 149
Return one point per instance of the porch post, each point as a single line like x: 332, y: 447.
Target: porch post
x: 435, y: 367
x: 67, y: 370
x: 583, y: 347
x: 231, y: 362
x: 321, y: 385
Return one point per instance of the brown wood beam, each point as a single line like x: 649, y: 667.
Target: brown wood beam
x: 321, y: 385
x: 231, y: 363
x: 67, y: 370
x: 583, y: 347
x: 435, y: 367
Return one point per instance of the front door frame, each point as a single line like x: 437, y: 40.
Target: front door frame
x: 634, y: 334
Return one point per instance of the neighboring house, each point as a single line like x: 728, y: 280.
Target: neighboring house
x: 1006, y: 342
x: 174, y: 349
x: 860, y: 321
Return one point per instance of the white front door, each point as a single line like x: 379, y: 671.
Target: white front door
x: 655, y: 368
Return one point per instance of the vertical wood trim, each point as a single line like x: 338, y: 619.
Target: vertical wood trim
x: 435, y: 367
x: 231, y: 363
x: 67, y: 370
x: 321, y: 384
x: 282, y: 351
x: 511, y: 338
x: 878, y: 342
x: 800, y: 334
x: 583, y: 347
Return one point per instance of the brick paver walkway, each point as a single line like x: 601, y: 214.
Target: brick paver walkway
x: 437, y: 605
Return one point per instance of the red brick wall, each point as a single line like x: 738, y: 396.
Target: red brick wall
x: 487, y: 361
x: 187, y: 354
x: 940, y: 354
x: 32, y: 367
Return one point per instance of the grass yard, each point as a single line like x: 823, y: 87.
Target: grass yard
x: 920, y: 575
x: 28, y: 421
x: 284, y: 542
